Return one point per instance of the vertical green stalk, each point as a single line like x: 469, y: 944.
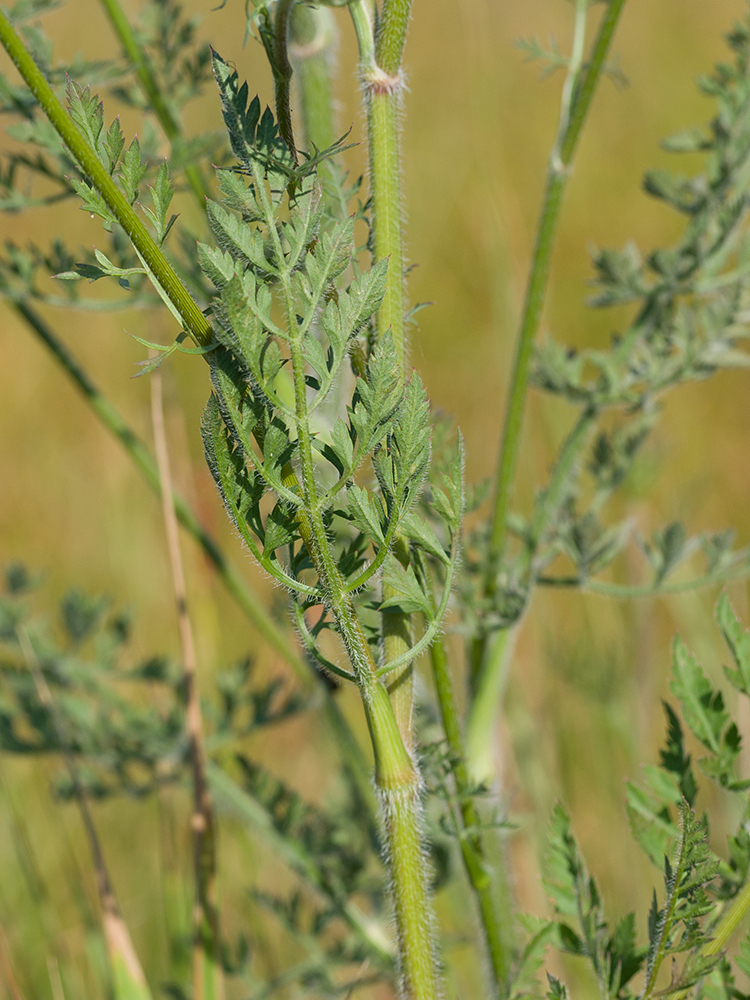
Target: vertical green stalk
x: 149, y: 85
x: 396, y: 775
x: 311, y: 51
x: 578, y: 94
x: 571, y: 124
x: 491, y: 680
x: 380, y: 72
x: 494, y: 912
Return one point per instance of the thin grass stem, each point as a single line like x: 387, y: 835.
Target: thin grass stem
x: 128, y: 979
x: 6, y: 967
x: 208, y: 981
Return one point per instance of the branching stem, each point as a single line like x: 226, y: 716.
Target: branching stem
x: 166, y: 279
x: 579, y: 95
x: 143, y: 70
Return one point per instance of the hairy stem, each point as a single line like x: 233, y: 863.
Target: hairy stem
x: 208, y: 981
x: 579, y: 97
x: 396, y: 775
x: 164, y: 115
x: 382, y: 85
x: 282, y: 72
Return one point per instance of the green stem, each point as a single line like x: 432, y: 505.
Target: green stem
x: 150, y: 87
x: 391, y: 36
x: 379, y: 62
x: 232, y: 580
x: 311, y: 51
x: 163, y: 273
x: 282, y: 72
x: 496, y: 920
x: 571, y: 125
x: 729, y: 922
x: 382, y: 89
x: 490, y: 679
x: 396, y: 775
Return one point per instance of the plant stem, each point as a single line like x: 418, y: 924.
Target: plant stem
x: 496, y: 922
x: 282, y: 72
x: 396, y: 775
x: 311, y: 50
x: 129, y: 983
x: 382, y: 86
x: 163, y: 273
x: 491, y: 678
x: 380, y: 73
x: 6, y: 966
x: 229, y: 576
x: 578, y: 97
x: 150, y: 87
x: 208, y: 981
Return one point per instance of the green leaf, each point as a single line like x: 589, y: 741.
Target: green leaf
x: 132, y: 171
x: 703, y: 708
x: 113, y: 144
x: 243, y: 242
x: 217, y: 265
x: 87, y: 112
x: 408, y: 596
x: 738, y: 640
x: 161, y: 195
x: 419, y: 530
x: 343, y: 445
x: 365, y: 512
x: 557, y: 989
x: 281, y: 528
x: 650, y: 823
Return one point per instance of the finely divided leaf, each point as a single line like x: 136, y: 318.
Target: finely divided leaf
x: 738, y: 640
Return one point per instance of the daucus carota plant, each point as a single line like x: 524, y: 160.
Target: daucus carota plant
x: 319, y: 438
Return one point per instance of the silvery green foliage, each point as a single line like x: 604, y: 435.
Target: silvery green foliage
x: 287, y: 280
x: 41, y: 172
x: 691, y: 307
x: 122, y: 743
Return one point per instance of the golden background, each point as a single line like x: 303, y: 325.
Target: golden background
x: 583, y: 704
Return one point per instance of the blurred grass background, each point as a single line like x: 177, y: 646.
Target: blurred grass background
x: 583, y: 704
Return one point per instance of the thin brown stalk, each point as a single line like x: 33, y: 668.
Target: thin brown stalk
x: 6, y: 966
x: 120, y: 947
x: 206, y: 939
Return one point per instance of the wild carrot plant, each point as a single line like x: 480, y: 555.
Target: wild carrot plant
x: 320, y: 440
